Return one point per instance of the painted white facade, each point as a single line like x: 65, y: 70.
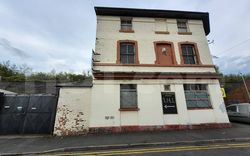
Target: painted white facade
x: 105, y: 109
x: 101, y: 103
x: 150, y: 104
x: 144, y: 33
x: 72, y: 116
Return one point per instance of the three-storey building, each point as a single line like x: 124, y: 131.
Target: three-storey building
x: 153, y: 70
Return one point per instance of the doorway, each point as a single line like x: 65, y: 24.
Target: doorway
x: 165, y: 53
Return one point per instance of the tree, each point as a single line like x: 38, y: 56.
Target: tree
x: 217, y: 69
x: 13, y: 72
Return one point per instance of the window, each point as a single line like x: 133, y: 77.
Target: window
x: 232, y: 109
x: 197, y: 96
x: 161, y: 26
x: 126, y: 24
x: 182, y: 25
x: 127, y: 53
x: 188, y: 54
x: 128, y: 96
x: 243, y: 109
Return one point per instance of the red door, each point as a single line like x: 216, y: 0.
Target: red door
x: 164, y: 54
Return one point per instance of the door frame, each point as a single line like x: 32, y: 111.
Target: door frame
x: 172, y: 50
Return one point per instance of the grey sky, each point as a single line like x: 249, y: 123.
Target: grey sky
x: 59, y: 34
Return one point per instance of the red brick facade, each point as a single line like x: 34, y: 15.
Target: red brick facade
x: 238, y: 94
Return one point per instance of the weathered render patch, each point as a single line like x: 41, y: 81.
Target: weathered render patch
x: 72, y: 111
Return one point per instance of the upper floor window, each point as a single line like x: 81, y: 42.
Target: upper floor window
x: 161, y: 26
x: 126, y: 24
x: 182, y: 25
x: 189, y: 54
x: 127, y: 53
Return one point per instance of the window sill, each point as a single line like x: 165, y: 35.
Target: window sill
x: 200, y: 108
x: 185, y: 33
x: 161, y: 32
x: 191, y: 65
x: 129, y: 64
x: 127, y: 31
x: 129, y: 109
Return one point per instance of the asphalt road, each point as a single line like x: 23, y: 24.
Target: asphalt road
x: 44, y: 144
x: 225, y: 149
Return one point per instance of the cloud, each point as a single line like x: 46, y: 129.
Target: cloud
x: 234, y: 64
x: 60, y: 34
x: 6, y: 45
x: 59, y: 37
x: 227, y: 27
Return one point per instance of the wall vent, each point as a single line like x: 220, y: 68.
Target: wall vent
x: 167, y: 88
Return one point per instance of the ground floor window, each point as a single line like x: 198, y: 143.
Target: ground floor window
x: 197, y: 96
x: 128, y: 96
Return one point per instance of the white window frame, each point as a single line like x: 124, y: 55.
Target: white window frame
x: 182, y: 25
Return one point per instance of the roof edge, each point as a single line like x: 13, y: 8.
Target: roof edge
x: 101, y: 7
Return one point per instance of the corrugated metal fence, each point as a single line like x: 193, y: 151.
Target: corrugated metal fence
x: 27, y: 114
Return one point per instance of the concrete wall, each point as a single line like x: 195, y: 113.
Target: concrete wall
x: 30, y: 87
x: 144, y: 33
x: 72, y: 116
x: 106, y: 103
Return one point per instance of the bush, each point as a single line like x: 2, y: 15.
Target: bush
x: 12, y: 72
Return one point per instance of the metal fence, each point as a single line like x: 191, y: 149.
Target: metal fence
x: 27, y: 114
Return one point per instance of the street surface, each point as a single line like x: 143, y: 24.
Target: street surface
x: 225, y: 149
x: 34, y: 145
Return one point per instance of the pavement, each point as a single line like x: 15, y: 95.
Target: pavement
x: 13, y: 145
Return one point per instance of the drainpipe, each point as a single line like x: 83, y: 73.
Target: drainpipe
x: 245, y: 86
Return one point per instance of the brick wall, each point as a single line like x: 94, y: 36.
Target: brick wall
x: 238, y: 94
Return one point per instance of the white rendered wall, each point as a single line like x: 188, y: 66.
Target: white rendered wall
x: 72, y: 116
x: 144, y: 33
x: 105, y: 100
x: 150, y: 104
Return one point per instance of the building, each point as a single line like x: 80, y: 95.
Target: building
x: 237, y: 93
x: 152, y: 70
